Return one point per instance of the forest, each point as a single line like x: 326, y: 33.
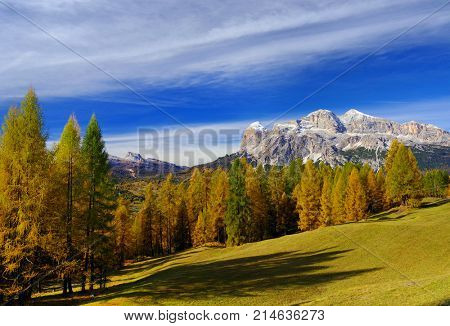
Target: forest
x: 64, y: 221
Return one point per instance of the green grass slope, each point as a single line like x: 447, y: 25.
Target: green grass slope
x: 397, y: 258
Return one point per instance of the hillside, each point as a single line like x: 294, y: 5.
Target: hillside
x: 394, y: 258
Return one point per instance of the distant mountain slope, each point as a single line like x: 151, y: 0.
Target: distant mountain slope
x: 133, y: 165
x: 353, y: 136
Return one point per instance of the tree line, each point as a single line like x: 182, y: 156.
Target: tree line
x: 58, y: 211
x: 247, y: 203
x: 63, y: 221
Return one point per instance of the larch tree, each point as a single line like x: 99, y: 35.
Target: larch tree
x: 355, y: 201
x: 217, y: 206
x: 374, y: 193
x: 25, y: 232
x: 122, y: 226
x: 147, y: 216
x: 338, y: 197
x: 168, y: 208
x: 390, y: 155
x: 181, y: 236
x: 199, y: 238
x: 99, y: 200
x: 257, y: 205
x: 195, y: 198
x: 308, y: 194
x: 403, y: 179
x: 236, y: 218
x: 68, y: 179
x: 326, y: 202
x: 276, y: 185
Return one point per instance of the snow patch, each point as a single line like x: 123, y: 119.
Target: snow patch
x: 256, y: 126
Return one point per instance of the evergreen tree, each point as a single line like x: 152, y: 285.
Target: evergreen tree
x: 308, y: 197
x: 25, y: 231
x: 355, y: 201
x: 292, y: 174
x: 237, y: 214
x: 435, y: 183
x: 99, y: 201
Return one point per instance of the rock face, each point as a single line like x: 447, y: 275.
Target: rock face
x: 324, y: 136
x: 133, y: 165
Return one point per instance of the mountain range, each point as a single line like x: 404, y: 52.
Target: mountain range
x: 353, y: 136
x: 321, y: 136
x: 133, y: 165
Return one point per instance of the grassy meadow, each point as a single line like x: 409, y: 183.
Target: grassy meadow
x: 400, y: 257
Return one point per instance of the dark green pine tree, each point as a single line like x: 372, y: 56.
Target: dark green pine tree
x: 99, y: 203
x: 237, y: 214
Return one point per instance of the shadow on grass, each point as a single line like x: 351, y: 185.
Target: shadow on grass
x: 241, y: 277
x: 436, y: 203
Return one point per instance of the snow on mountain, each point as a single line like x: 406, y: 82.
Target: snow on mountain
x: 322, y: 135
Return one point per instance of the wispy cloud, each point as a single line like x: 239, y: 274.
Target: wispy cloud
x: 149, y: 43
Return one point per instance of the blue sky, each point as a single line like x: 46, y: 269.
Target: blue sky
x: 223, y: 64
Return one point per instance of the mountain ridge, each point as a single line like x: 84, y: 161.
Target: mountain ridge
x: 324, y: 136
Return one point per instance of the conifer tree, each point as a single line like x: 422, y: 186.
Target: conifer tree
x: 390, y: 155
x: 403, y: 178
x: 217, y: 206
x: 195, y: 199
x: 237, y: 214
x: 435, y: 183
x: 257, y: 205
x: 181, y: 239
x: 326, y: 202
x: 338, y: 197
x: 168, y: 208
x: 374, y: 193
x: 276, y: 185
x: 147, y: 216
x: 25, y: 231
x: 292, y: 174
x: 308, y: 197
x: 122, y: 226
x: 68, y: 179
x: 99, y: 202
x: 355, y: 201
x: 381, y: 182
x: 200, y: 229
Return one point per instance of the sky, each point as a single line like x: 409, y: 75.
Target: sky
x: 154, y: 67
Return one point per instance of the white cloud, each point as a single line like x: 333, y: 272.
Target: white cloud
x: 146, y: 43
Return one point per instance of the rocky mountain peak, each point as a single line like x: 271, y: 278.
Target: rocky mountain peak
x: 325, y: 119
x: 134, y: 157
x: 322, y: 135
x: 256, y: 126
